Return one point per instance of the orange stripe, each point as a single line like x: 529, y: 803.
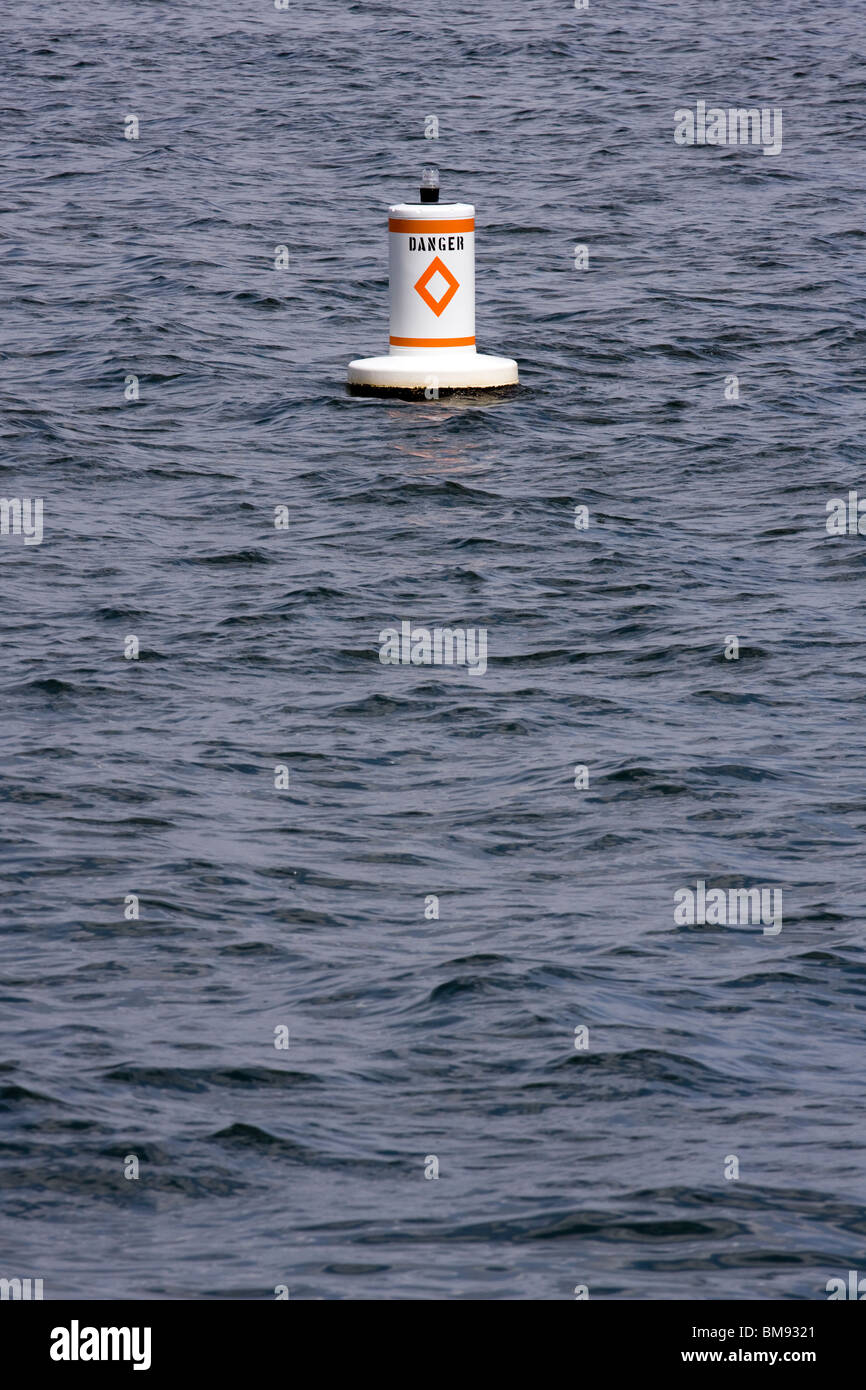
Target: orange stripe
x: 432, y: 342
x: 401, y: 224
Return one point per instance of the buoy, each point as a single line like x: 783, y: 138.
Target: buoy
x: 432, y: 277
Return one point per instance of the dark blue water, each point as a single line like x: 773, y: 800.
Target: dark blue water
x: 305, y: 908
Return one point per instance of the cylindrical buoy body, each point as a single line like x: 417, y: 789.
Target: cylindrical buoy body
x: 431, y: 349
x: 432, y: 263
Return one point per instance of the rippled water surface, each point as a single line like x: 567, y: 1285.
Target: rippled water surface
x: 305, y: 907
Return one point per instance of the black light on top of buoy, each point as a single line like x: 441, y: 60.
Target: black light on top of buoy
x: 430, y: 184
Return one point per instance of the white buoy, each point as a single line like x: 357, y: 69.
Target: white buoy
x: 432, y: 275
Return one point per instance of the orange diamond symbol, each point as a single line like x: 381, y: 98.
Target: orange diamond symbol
x: 437, y: 305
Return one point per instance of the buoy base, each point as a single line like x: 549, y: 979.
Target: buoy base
x: 424, y: 393
x: 422, y: 374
